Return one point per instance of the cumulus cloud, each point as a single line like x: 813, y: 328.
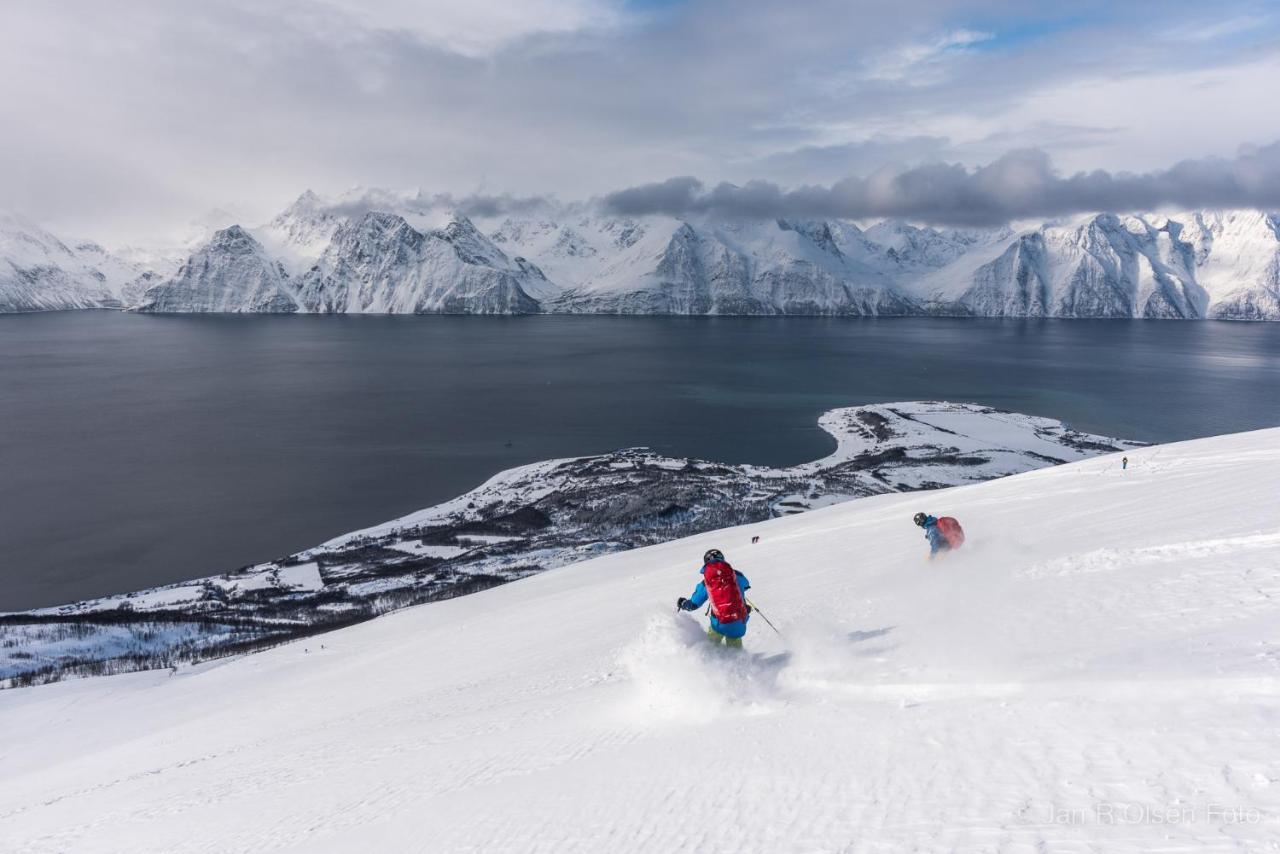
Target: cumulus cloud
x: 1020, y: 184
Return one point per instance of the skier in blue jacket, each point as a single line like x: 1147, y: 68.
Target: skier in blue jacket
x: 937, y: 542
x: 726, y: 588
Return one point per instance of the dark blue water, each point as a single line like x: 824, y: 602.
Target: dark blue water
x: 136, y: 450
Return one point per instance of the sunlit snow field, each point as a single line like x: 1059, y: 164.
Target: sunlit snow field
x: 1097, y: 670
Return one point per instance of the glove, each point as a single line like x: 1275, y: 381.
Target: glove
x: 685, y: 605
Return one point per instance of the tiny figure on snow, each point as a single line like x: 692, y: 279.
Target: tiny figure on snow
x: 1124, y: 464
x: 755, y: 539
x: 726, y: 589
x: 944, y: 534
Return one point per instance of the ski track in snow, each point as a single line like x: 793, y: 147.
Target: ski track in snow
x: 1100, y: 655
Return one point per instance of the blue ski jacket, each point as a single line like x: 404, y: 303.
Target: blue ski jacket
x: 937, y: 542
x: 736, y: 629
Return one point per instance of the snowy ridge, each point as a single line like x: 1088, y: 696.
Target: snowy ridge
x: 532, y: 518
x: 1096, y: 670
x: 381, y: 252
x: 1221, y: 264
x: 39, y: 272
x: 380, y: 263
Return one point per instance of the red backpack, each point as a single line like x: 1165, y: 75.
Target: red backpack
x: 951, y: 531
x: 727, y: 602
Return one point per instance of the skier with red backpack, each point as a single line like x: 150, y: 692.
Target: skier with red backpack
x: 943, y: 534
x: 725, y: 588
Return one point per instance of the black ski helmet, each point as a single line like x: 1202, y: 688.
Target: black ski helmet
x: 713, y: 556
x: 919, y: 519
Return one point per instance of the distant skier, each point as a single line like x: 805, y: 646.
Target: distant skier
x: 726, y: 588
x: 943, y: 534
x: 1124, y: 464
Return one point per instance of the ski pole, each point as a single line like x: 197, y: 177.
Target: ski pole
x: 755, y: 608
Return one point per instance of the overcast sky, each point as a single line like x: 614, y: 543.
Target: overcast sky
x: 129, y: 118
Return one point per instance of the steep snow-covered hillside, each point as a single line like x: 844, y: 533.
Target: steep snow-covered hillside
x: 1097, y: 669
x: 1237, y: 258
x: 39, y: 272
x: 664, y: 266
x: 232, y: 273
x: 1101, y: 266
x: 380, y: 263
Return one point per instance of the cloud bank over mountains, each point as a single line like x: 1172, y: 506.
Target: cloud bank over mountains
x: 1019, y: 185
x: 483, y: 205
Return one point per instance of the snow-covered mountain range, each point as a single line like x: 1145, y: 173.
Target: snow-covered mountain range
x: 385, y: 253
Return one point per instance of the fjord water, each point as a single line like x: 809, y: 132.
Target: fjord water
x: 137, y: 450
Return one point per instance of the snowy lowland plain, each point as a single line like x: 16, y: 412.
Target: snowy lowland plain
x: 1096, y: 670
x: 379, y: 252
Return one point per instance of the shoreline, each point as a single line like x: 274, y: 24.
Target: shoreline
x: 523, y: 521
x: 623, y: 314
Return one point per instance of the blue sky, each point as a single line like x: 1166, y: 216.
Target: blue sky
x: 144, y: 114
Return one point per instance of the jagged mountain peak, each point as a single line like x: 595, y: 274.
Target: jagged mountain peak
x: 307, y: 199
x: 234, y: 236
x: 307, y: 206
x: 460, y: 227
x: 380, y: 263
x: 376, y: 225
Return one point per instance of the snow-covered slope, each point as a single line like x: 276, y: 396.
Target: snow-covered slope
x: 380, y: 263
x: 39, y: 272
x: 1097, y: 670
x: 663, y: 266
x: 912, y: 249
x: 1219, y: 264
x: 299, y: 234
x: 1102, y: 266
x: 1237, y: 259
x: 232, y: 273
